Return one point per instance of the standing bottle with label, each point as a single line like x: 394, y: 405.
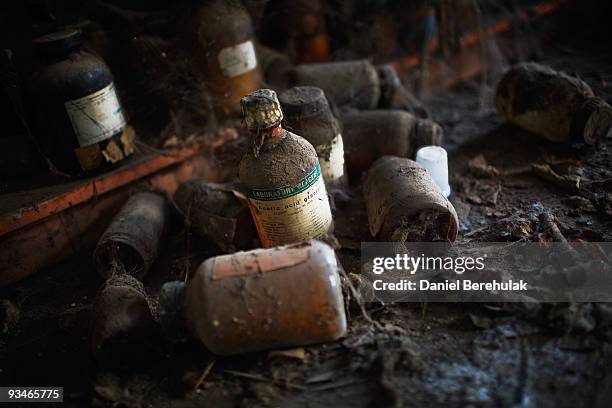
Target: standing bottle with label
x: 78, y: 121
x: 307, y: 113
x: 308, y: 39
x: 282, y: 177
x: 227, y: 54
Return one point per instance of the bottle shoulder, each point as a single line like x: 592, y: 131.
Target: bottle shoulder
x: 76, y: 75
x: 284, y: 163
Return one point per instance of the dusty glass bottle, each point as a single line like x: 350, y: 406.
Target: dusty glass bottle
x: 227, y: 54
x: 307, y: 113
x: 369, y: 135
x: 308, y: 39
x: 404, y: 203
x: 77, y: 118
x: 552, y: 104
x: 282, y: 177
x: 346, y: 83
x: 261, y: 299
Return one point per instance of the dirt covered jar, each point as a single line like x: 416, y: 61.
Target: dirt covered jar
x: 262, y: 299
x: 77, y: 119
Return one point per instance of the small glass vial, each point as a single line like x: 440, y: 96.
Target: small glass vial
x: 78, y: 121
x: 307, y: 113
x: 282, y: 177
x: 262, y: 299
x: 227, y: 54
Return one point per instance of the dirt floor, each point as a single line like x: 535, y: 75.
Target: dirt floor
x: 394, y: 355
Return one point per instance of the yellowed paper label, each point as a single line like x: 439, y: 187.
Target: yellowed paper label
x: 238, y: 59
x: 97, y: 116
x: 331, y: 158
x: 293, y: 213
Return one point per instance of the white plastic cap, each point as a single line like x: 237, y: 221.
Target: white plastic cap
x: 435, y: 161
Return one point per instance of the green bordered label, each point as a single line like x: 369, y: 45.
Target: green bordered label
x: 293, y: 213
x: 263, y: 194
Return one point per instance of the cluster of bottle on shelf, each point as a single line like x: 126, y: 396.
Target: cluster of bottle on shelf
x: 80, y: 126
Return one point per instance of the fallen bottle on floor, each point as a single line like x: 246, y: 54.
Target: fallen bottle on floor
x: 275, y: 67
x: 404, y: 203
x: 215, y: 211
x: 282, y: 177
x: 132, y: 240
x: 369, y: 135
x: 552, y: 104
x: 261, y: 299
x: 347, y: 83
x: 307, y: 113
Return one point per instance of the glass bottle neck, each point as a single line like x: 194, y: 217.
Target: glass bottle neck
x: 270, y: 133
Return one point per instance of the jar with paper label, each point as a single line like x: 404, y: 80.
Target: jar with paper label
x: 227, y: 54
x: 282, y: 177
x: 307, y: 113
x: 77, y: 118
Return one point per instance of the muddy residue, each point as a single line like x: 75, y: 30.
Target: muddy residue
x: 404, y: 203
x: 282, y: 161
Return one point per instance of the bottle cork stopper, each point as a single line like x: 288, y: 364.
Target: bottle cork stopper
x: 261, y: 109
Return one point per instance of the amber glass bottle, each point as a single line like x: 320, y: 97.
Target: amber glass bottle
x: 227, y: 54
x: 78, y: 121
x: 261, y: 299
x: 282, y: 177
x: 309, y: 41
